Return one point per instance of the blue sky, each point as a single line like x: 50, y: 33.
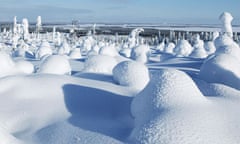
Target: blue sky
x: 125, y: 11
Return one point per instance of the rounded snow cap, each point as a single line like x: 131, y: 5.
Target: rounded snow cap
x: 100, y: 64
x: 132, y: 74
x: 55, y: 64
x: 222, y: 68
x: 167, y: 88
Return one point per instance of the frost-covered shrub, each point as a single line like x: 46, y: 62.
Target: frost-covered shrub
x: 131, y: 74
x: 100, y: 64
x: 55, y: 64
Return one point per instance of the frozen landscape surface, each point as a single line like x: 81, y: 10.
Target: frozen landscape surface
x: 57, y: 88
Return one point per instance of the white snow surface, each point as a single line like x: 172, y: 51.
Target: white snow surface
x: 43, y: 50
x: 75, y: 53
x: 132, y: 74
x: 6, y: 64
x: 109, y: 51
x: 183, y: 48
x: 169, y: 112
x: 55, y: 64
x: 100, y: 64
x: 222, y: 68
x: 140, y: 53
x: 167, y: 97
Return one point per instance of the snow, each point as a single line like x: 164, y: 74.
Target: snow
x: 198, y: 48
x: 62, y: 104
x: 226, y: 19
x: 43, y: 50
x: 170, y: 48
x: 6, y: 64
x: 100, y: 64
x: 170, y: 112
x: 109, y: 51
x: 222, y: 68
x: 140, y: 53
x: 64, y: 49
x: 226, y: 45
x: 57, y: 88
x: 183, y: 48
x: 25, y: 67
x: 55, y: 64
x: 161, y: 93
x: 75, y: 53
x: 131, y: 74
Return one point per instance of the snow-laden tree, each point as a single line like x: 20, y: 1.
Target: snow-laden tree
x: 25, y: 28
x: 226, y: 19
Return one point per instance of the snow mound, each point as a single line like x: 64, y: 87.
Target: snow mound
x: 44, y: 49
x: 222, y: 68
x: 198, y: 48
x: 168, y: 91
x: 25, y: 67
x: 167, y: 88
x: 100, y: 64
x: 210, y: 47
x: 223, y: 40
x: 132, y: 74
x: 183, y: 48
x: 8, y: 139
x: 226, y: 45
x: 140, y: 53
x: 6, y: 64
x: 169, y: 48
x: 126, y: 52
x: 67, y: 133
x: 75, y: 53
x: 109, y: 51
x: 64, y: 49
x: 55, y: 64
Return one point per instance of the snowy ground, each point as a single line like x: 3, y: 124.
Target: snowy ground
x: 49, y: 96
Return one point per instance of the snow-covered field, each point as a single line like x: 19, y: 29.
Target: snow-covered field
x: 59, y: 89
